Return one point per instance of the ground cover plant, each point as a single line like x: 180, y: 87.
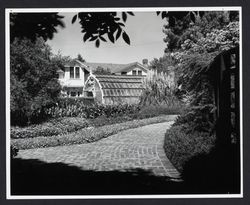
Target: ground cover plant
x: 180, y: 146
x: 85, y: 135
x: 49, y: 128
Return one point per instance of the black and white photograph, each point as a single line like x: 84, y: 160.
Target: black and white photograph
x: 124, y: 102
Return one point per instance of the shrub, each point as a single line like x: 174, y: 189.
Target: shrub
x: 50, y: 128
x: 181, y: 146
x: 159, y: 89
x: 197, y: 119
x: 80, y: 109
x: 156, y: 110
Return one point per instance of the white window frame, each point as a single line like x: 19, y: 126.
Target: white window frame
x: 74, y: 72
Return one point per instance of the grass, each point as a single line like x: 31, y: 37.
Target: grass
x: 86, y: 135
x: 181, y: 147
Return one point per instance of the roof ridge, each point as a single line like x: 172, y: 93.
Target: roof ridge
x: 108, y: 63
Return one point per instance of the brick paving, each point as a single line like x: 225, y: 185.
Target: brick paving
x: 130, y: 149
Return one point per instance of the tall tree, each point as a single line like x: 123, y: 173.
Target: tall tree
x: 163, y: 64
x: 34, y: 85
x: 194, y: 47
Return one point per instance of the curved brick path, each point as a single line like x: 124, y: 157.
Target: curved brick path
x: 134, y: 148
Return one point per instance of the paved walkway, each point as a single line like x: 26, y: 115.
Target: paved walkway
x: 134, y: 148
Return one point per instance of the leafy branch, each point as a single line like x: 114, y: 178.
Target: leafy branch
x: 102, y: 26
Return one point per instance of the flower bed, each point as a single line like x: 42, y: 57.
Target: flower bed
x: 85, y: 135
x: 50, y: 128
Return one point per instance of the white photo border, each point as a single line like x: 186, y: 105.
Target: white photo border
x: 139, y: 9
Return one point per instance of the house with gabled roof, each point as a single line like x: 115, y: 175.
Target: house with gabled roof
x: 122, y: 83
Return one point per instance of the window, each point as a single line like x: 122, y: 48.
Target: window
x: 139, y: 72
x: 124, y: 73
x: 73, y: 94
x: 71, y: 72
x: 74, y: 72
x: 134, y: 72
x: 89, y: 94
x: 77, y: 74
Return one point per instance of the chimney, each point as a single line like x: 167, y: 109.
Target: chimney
x: 145, y: 62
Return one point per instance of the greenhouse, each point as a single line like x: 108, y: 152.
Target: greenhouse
x: 114, y: 89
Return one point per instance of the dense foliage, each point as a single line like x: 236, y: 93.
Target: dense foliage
x: 164, y: 64
x: 160, y: 90
x: 33, y: 80
x: 79, y: 109
x: 181, y: 147
x: 34, y: 25
x: 194, y: 44
x: 89, y: 110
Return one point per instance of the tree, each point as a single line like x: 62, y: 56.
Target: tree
x: 198, y: 42
x: 164, y: 64
x: 33, y: 80
x: 195, y: 28
x: 194, y: 47
x: 33, y: 25
x: 80, y: 58
x: 94, y: 25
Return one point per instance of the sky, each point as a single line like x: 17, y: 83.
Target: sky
x: 144, y: 30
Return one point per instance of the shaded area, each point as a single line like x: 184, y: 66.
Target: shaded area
x: 34, y: 177
x: 218, y: 171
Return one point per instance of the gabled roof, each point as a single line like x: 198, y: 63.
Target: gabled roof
x: 115, y: 68
x: 133, y: 65
x: 76, y: 62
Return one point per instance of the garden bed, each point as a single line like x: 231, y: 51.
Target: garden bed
x: 85, y: 135
x: 101, y: 115
x: 50, y: 128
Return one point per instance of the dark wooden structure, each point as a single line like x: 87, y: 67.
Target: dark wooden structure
x: 224, y: 72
